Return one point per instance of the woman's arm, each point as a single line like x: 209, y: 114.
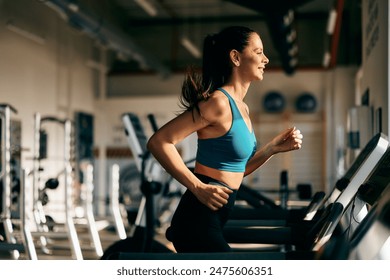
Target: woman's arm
x: 162, y: 146
x: 289, y: 140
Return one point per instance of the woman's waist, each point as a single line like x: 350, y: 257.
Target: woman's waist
x: 231, y: 179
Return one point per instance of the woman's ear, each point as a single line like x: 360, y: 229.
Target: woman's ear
x: 235, y: 57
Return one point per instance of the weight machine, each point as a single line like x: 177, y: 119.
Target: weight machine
x: 17, y: 235
x: 39, y: 216
x: 47, y: 230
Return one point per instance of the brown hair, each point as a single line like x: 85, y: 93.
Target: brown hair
x: 216, y: 67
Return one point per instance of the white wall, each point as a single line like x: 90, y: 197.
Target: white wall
x: 339, y: 97
x: 375, y: 27
x: 50, y: 76
x: 109, y: 122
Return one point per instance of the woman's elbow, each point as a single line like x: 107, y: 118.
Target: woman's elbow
x: 151, y: 144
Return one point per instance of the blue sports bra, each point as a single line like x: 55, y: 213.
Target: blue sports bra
x: 231, y: 151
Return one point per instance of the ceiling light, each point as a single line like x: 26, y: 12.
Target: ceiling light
x: 331, y: 21
x: 291, y: 36
x: 147, y: 6
x: 326, y: 59
x: 288, y: 18
x: 73, y: 7
x: 25, y: 33
x: 293, y: 50
x: 293, y: 62
x: 191, y: 48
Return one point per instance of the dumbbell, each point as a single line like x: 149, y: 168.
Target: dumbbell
x: 51, y: 184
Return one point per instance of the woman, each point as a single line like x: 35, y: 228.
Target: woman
x: 215, y: 110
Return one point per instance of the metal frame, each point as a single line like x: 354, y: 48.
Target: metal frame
x: 5, y: 115
x: 87, y: 202
x: 24, y: 227
x: 114, y: 202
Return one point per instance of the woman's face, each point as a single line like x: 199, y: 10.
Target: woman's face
x: 253, y: 59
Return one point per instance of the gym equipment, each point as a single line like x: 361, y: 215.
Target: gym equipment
x: 129, y: 193
x: 141, y: 238
x: 363, y: 231
x: 83, y: 165
x: 22, y: 241
x: 274, y: 102
x: 83, y: 129
x: 284, y: 192
x: 72, y: 218
x: 39, y: 216
x: 87, y: 220
x: 362, y: 201
x: 84, y: 158
x: 27, y: 239
x: 114, y: 203
x: 301, y: 234
x: 370, y: 240
x: 258, y: 210
x: 50, y: 184
x: 171, y: 190
x: 11, y: 242
x: 256, y: 199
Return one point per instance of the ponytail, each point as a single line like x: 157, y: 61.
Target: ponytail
x: 192, y: 91
x: 198, y: 86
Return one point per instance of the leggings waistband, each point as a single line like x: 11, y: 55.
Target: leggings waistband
x: 208, y: 180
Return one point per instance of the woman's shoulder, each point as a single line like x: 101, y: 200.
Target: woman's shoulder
x: 217, y: 100
x: 215, y: 106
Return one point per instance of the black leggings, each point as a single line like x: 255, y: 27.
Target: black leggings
x: 197, y: 228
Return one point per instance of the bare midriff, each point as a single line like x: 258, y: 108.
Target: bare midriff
x: 232, y: 179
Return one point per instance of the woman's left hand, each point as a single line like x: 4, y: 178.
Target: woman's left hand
x: 289, y: 140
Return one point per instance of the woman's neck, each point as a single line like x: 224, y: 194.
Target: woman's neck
x: 237, y: 91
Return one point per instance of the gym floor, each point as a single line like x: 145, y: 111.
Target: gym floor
x: 60, y: 248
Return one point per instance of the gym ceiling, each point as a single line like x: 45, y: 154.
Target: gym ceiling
x: 165, y: 36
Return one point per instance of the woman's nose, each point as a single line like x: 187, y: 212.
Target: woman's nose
x: 265, y: 60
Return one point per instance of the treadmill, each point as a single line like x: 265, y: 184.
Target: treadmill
x: 301, y: 232
x: 371, y: 240
x: 364, y: 229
